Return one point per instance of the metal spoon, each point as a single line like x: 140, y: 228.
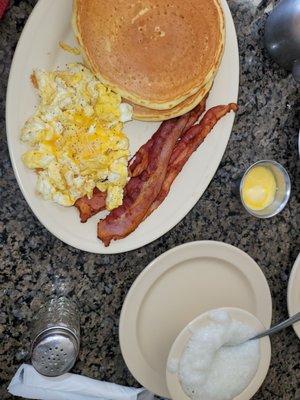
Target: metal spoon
x: 276, y: 328
x: 282, y: 36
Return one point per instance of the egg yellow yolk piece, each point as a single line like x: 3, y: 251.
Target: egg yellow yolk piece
x: 259, y: 188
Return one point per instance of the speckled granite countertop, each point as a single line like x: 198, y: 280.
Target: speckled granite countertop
x: 33, y: 263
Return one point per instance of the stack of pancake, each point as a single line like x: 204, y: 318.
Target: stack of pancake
x: 161, y: 56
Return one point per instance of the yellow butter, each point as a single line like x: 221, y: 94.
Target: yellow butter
x: 259, y: 188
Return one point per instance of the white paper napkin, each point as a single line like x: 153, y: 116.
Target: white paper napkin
x: 30, y: 384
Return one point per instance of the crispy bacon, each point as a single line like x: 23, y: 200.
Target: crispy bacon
x: 188, y: 143
x: 138, y: 163
x: 142, y: 190
x: 140, y: 160
x: 195, y: 113
x: 88, y: 207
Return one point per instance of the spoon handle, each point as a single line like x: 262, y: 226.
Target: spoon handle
x: 276, y: 328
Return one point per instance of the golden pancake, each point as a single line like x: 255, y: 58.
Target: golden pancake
x: 156, y: 53
x: 149, y: 114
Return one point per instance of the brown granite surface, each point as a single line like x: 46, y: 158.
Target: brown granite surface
x: 34, y: 264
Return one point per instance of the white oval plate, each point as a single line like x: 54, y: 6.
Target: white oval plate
x: 48, y: 24
x: 293, y: 297
x: 174, y: 289
x: 184, y: 336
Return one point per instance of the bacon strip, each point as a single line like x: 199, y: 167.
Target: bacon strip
x: 188, y: 143
x: 88, y: 207
x: 138, y: 163
x: 140, y: 160
x: 142, y: 190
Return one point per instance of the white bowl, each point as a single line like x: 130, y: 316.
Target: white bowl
x: 173, y: 383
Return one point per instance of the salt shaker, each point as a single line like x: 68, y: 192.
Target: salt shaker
x: 56, y: 337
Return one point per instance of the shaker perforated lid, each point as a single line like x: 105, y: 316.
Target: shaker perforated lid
x: 56, y: 337
x: 54, y: 352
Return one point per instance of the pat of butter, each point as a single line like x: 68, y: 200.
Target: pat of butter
x: 259, y: 188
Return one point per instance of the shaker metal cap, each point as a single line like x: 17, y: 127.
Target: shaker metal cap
x: 54, y: 352
x: 56, y: 337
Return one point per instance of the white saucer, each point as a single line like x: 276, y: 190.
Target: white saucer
x: 180, y: 343
x: 294, y: 293
x: 174, y: 289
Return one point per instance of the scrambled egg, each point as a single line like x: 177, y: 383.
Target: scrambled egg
x: 69, y: 49
x: 76, y: 137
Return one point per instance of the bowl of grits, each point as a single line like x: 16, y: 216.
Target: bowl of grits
x: 211, y: 359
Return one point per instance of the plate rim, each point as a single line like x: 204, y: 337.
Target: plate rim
x: 161, y: 230
x: 152, y: 267
x: 291, y: 288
